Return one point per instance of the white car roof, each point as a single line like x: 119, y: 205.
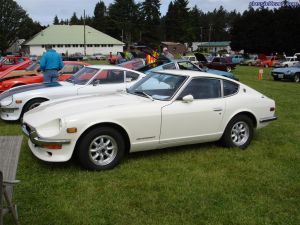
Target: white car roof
x: 192, y: 73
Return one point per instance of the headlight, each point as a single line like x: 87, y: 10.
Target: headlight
x: 7, y: 101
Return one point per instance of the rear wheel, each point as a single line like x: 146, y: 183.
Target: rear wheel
x: 239, y: 132
x: 101, y: 148
x: 296, y: 78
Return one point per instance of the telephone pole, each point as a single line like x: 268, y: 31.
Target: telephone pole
x: 84, y: 37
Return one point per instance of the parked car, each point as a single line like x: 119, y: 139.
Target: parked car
x: 287, y: 73
x: 191, y: 58
x: 213, y: 62
x: 89, y: 80
x: 165, y: 109
x: 13, y: 60
x: 237, y: 59
x: 251, y: 61
x: 32, y: 74
x: 290, y: 61
x: 181, y: 64
x: 98, y: 56
x: 268, y: 61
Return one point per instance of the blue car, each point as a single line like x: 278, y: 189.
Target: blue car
x: 182, y: 64
x: 287, y: 73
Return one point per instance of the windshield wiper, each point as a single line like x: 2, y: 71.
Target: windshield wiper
x: 145, y: 94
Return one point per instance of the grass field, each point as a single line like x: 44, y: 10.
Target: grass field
x: 199, y: 184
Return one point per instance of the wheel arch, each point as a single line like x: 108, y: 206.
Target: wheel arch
x: 30, y: 100
x: 106, y: 124
x: 246, y: 113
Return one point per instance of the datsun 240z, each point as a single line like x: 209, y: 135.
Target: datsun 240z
x: 89, y: 80
x: 164, y: 109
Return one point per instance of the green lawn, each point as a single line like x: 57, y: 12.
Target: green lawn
x: 199, y: 184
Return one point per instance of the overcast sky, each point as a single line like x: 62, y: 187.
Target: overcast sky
x: 44, y: 11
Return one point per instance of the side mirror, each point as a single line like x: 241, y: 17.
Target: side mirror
x: 96, y: 82
x: 188, y: 98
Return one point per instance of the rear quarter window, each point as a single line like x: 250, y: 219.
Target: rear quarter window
x: 229, y: 88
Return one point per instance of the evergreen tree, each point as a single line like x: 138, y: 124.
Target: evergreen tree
x: 56, y: 21
x: 74, y: 19
x: 150, y: 20
x: 100, y: 17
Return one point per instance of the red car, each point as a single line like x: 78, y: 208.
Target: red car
x: 10, y: 61
x: 10, y: 78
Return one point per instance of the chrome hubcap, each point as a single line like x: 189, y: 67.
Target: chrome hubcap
x: 240, y: 133
x: 103, y: 150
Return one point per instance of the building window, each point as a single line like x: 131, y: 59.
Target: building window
x: 75, y: 46
x: 96, y: 45
x: 59, y: 46
x: 103, y: 45
x: 67, y: 46
x: 89, y: 46
x: 82, y: 46
x: 110, y: 45
x: 43, y: 46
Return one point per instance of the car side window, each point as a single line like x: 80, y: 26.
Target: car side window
x: 169, y: 66
x: 229, y: 88
x: 202, y: 88
x: 131, y: 76
x: 110, y: 76
x: 187, y: 66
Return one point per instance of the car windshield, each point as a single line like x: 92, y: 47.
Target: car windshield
x: 32, y: 67
x: 83, y: 76
x: 159, y: 86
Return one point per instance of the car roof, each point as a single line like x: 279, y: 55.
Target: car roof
x: 109, y: 67
x: 192, y: 73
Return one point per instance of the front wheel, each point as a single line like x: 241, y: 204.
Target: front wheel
x: 101, y: 149
x: 238, y: 133
x: 228, y: 68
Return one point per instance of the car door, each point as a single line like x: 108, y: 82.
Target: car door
x: 195, y: 121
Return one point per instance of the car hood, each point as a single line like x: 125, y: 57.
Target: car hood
x: 78, y: 107
x: 285, y: 70
x: 31, y: 87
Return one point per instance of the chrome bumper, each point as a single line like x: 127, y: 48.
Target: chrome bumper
x: 269, y: 119
x: 35, y: 139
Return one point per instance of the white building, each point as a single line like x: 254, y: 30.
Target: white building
x: 70, y: 39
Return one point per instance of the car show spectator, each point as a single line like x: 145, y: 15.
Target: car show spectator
x: 50, y: 64
x: 167, y: 54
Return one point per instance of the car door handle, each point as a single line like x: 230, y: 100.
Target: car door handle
x: 217, y: 109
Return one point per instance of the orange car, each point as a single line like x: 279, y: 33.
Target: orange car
x: 13, y: 77
x: 267, y: 61
x: 12, y: 60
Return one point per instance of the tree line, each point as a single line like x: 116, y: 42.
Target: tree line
x: 260, y: 30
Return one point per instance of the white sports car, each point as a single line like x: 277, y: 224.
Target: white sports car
x: 89, y: 80
x: 164, y: 109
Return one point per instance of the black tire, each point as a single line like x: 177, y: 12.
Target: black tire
x: 296, y: 78
x: 238, y: 132
x: 31, y: 105
x: 101, y: 148
x: 286, y: 65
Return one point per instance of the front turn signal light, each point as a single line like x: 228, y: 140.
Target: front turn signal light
x: 71, y: 130
x: 52, y: 146
x: 18, y: 101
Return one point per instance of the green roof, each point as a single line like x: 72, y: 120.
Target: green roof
x: 214, y: 44
x: 71, y: 34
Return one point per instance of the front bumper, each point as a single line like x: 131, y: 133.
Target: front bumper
x: 282, y: 76
x: 38, y: 141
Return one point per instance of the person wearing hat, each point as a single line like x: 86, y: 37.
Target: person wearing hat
x: 50, y: 63
x: 167, y: 54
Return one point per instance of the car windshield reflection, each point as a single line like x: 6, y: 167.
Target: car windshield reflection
x: 83, y: 76
x: 158, y: 86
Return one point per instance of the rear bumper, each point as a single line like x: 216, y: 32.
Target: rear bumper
x: 269, y: 119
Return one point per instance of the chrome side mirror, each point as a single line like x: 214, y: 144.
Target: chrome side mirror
x: 188, y: 98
